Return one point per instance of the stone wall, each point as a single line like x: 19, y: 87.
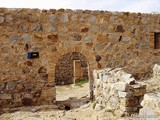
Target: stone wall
x: 151, y: 107
x: 151, y: 101
x: 118, y: 91
x: 64, y: 68
x: 105, y: 38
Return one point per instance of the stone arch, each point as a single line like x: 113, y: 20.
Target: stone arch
x: 53, y: 58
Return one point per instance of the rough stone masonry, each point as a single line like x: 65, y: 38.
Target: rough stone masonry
x: 118, y: 91
x: 106, y: 39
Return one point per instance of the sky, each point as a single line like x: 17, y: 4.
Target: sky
x: 145, y: 6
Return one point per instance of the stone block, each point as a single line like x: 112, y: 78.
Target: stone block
x: 28, y: 86
x: 26, y: 37
x: 6, y: 49
x: 148, y: 113
x: 14, y: 37
x: 11, y: 86
x: 92, y: 19
x: 5, y: 96
x: 98, y: 107
x: 50, y: 28
x: 17, y: 97
x: 76, y: 37
x: 2, y: 85
x: 128, y: 109
x: 52, y: 18
x: 9, y: 18
x: 139, y: 92
x: 50, y: 92
x: 124, y: 94
x: 151, y: 100
x: 122, y: 86
x: 129, y: 101
x: 28, y: 95
x: 1, y: 19
x: 138, y: 85
x: 64, y: 18
x: 94, y: 28
x: 36, y: 48
x: 37, y: 27
x: 130, y: 81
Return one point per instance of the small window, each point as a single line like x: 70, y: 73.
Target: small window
x: 156, y: 40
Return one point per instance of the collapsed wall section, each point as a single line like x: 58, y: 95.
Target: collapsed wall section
x: 151, y: 101
x: 118, y: 91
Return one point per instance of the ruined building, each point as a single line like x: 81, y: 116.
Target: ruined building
x: 64, y: 40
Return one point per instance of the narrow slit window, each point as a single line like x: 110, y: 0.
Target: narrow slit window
x: 156, y: 40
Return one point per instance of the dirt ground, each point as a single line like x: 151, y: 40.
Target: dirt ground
x: 84, y: 111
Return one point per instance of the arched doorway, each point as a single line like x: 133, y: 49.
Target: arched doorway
x: 72, y: 78
x: 54, y: 57
x: 71, y: 68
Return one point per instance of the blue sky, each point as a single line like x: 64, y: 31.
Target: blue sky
x: 109, y: 5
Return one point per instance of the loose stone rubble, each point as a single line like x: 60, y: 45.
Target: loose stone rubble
x: 118, y: 91
x: 151, y: 107
x: 151, y: 100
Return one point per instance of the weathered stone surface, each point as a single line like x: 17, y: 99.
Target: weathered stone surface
x: 28, y: 95
x: 28, y: 86
x: 156, y: 71
x: 114, y: 89
x: 92, y: 19
x: 53, y: 38
x: 124, y: 94
x: 1, y: 19
x: 23, y: 28
x: 120, y: 28
x: 26, y: 37
x: 17, y: 97
x: 114, y: 37
x: 122, y: 86
x: 139, y: 92
x: 148, y: 113
x: 6, y: 49
x: 11, y: 86
x: 50, y: 92
x: 76, y: 37
x: 129, y: 101
x: 128, y: 109
x: 9, y: 18
x: 36, y: 48
x: 37, y: 27
x: 5, y: 96
x: 50, y: 28
x: 52, y: 18
x: 64, y: 18
x: 151, y: 100
x: 14, y: 37
x: 87, y: 38
x: 84, y: 29
x: 2, y: 85
x: 94, y: 28
x: 98, y: 107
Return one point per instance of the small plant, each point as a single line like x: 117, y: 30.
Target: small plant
x: 81, y: 82
x: 111, y: 111
x: 94, y: 105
